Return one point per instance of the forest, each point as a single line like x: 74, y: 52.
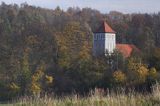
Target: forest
x: 44, y: 51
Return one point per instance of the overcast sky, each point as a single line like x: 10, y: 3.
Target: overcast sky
x: 125, y: 6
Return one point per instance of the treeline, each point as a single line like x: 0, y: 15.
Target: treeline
x: 45, y: 51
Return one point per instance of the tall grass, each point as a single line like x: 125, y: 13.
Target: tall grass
x: 96, y: 98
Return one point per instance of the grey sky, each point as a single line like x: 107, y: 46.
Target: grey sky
x: 126, y: 6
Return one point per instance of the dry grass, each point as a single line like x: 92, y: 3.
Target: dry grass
x: 96, y: 98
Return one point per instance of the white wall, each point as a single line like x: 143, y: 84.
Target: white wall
x: 110, y: 42
x: 103, y: 42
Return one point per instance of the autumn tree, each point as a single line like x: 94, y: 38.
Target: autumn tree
x: 119, y: 77
x: 137, y: 72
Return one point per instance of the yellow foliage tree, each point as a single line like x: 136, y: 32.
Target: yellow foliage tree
x: 14, y: 87
x: 153, y: 73
x: 38, y: 79
x: 119, y: 77
x: 142, y: 73
x: 71, y: 44
x: 35, y: 87
x: 137, y: 72
x: 49, y: 79
x: 62, y: 51
x: 84, y: 54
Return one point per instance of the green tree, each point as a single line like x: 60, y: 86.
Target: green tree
x: 24, y: 77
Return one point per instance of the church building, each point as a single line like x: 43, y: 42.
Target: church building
x: 104, y: 41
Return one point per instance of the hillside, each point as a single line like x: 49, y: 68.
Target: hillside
x: 45, y: 51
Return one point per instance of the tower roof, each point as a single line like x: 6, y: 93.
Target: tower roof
x: 105, y: 28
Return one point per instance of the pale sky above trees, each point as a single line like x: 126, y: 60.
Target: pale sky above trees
x: 126, y: 6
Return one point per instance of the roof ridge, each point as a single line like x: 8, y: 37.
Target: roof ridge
x: 105, y: 28
x: 108, y: 28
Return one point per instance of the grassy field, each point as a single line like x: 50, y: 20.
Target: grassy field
x: 96, y: 98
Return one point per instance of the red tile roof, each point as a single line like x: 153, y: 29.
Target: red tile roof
x: 126, y: 49
x: 105, y: 28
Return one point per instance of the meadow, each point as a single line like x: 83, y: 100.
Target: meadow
x: 96, y: 97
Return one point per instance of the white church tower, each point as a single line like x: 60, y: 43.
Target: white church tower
x: 104, y: 40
